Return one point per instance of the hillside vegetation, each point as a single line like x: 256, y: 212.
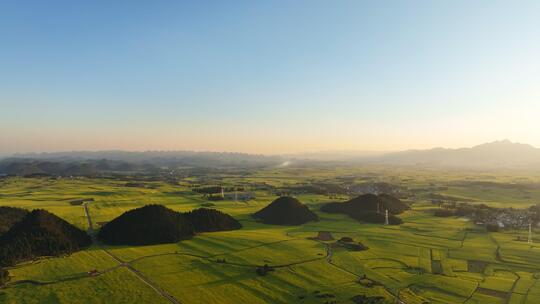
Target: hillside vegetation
x: 9, y: 216
x: 210, y: 220
x: 151, y: 224
x: 369, y: 208
x: 157, y: 224
x: 286, y: 211
x: 40, y: 233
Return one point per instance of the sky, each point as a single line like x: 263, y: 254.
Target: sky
x: 267, y: 76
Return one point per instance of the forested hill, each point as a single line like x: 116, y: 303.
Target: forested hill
x: 40, y: 233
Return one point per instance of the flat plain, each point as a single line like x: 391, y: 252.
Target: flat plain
x: 427, y: 259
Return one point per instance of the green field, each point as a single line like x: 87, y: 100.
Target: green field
x: 427, y: 259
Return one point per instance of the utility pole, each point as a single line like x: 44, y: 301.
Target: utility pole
x: 419, y: 259
x: 222, y: 192
x: 386, y: 217
x: 529, y: 239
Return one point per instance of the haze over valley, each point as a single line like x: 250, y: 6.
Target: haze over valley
x: 496, y: 155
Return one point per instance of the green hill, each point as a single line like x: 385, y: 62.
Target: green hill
x: 151, y: 224
x: 40, y: 233
x: 209, y: 220
x: 369, y: 208
x: 9, y: 216
x: 286, y: 211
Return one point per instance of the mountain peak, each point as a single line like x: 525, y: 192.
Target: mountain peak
x: 505, y: 143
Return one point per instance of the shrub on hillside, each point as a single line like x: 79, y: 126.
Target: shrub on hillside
x: 263, y: 270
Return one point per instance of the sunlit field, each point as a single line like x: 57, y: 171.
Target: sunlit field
x: 426, y: 259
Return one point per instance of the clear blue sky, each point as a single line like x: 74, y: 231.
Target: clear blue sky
x: 267, y: 76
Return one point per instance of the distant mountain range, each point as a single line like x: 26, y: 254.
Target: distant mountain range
x: 496, y: 155
x: 160, y: 158
x: 87, y: 163
x: 502, y: 154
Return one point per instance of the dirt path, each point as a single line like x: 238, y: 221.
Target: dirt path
x: 136, y: 272
x: 516, y: 281
x: 329, y: 253
x: 90, y: 226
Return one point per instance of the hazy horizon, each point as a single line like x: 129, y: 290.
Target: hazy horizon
x: 257, y: 77
x: 319, y: 153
